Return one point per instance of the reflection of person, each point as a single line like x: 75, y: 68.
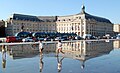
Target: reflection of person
x: 3, y: 56
x: 59, y: 48
x: 59, y: 66
x: 40, y: 47
x: 82, y: 65
x: 41, y: 63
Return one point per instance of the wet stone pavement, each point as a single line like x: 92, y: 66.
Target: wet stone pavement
x: 78, y: 57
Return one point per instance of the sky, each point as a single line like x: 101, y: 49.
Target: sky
x: 109, y: 9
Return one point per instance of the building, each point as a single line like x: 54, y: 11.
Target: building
x: 116, y: 28
x: 84, y: 23
x: 2, y: 28
x: 19, y: 22
x: 81, y: 24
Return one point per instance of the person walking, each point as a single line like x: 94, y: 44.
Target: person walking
x: 40, y: 47
x: 59, y: 48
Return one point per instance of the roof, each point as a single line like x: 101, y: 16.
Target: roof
x: 25, y: 17
x: 88, y: 16
x: 34, y: 18
x: 51, y: 18
x: 100, y: 19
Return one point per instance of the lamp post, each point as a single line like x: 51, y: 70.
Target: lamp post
x: 22, y: 27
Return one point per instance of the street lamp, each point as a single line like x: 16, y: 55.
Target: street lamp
x: 22, y: 27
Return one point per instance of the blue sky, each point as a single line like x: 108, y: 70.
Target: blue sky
x: 109, y: 9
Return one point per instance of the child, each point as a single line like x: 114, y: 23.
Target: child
x: 40, y: 47
x: 59, y: 48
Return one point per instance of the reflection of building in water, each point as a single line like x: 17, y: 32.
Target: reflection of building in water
x: 22, y: 51
x: 86, y: 50
x: 73, y: 48
x: 81, y: 50
x: 49, y: 48
x: 116, y: 44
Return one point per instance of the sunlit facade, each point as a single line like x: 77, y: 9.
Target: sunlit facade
x: 84, y: 23
x: 19, y: 22
x: 81, y: 24
x: 116, y: 28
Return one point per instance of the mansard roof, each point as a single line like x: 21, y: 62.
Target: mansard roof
x: 100, y: 19
x: 34, y: 18
x: 88, y: 16
x: 25, y: 17
x: 53, y: 18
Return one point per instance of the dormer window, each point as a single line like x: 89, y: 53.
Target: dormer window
x: 58, y: 20
x: 10, y: 18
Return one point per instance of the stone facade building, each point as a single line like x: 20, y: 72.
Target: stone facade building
x: 19, y: 22
x: 81, y: 24
x: 2, y: 28
x: 84, y: 23
x: 116, y: 28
